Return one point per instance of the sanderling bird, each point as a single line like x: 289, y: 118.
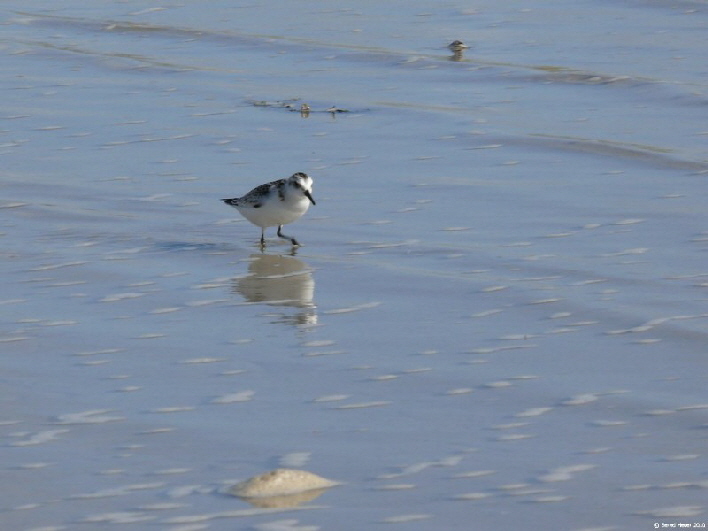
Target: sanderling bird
x: 457, y: 46
x: 276, y: 203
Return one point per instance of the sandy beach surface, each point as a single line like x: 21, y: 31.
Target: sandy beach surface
x: 498, y: 318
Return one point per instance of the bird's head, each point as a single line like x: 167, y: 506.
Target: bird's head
x: 303, y: 182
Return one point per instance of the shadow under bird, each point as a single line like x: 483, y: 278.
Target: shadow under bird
x: 276, y: 203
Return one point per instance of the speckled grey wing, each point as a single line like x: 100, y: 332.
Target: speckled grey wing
x: 254, y: 198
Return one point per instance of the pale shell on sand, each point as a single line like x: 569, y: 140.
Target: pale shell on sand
x: 280, y: 482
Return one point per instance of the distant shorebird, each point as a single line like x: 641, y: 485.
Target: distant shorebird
x: 276, y: 203
x: 457, y: 46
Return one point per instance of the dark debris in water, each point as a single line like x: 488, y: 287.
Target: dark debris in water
x: 297, y: 105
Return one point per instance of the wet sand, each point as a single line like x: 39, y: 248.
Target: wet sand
x: 498, y: 316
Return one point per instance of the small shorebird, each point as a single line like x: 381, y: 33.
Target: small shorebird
x: 276, y: 203
x: 457, y: 46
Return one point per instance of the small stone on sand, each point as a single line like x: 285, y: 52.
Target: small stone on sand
x: 279, y: 482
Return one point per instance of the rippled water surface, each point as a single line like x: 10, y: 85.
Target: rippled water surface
x: 498, y: 317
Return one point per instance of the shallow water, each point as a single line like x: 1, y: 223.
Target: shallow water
x: 499, y: 311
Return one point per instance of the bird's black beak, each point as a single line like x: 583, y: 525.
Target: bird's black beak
x: 309, y: 196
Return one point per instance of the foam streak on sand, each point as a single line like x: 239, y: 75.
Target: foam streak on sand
x: 95, y: 416
x: 39, y: 438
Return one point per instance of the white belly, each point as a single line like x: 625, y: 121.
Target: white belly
x: 275, y: 212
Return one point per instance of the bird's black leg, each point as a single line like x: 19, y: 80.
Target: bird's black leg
x: 263, y: 237
x: 281, y: 235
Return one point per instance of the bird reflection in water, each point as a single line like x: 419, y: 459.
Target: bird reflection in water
x: 280, y: 281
